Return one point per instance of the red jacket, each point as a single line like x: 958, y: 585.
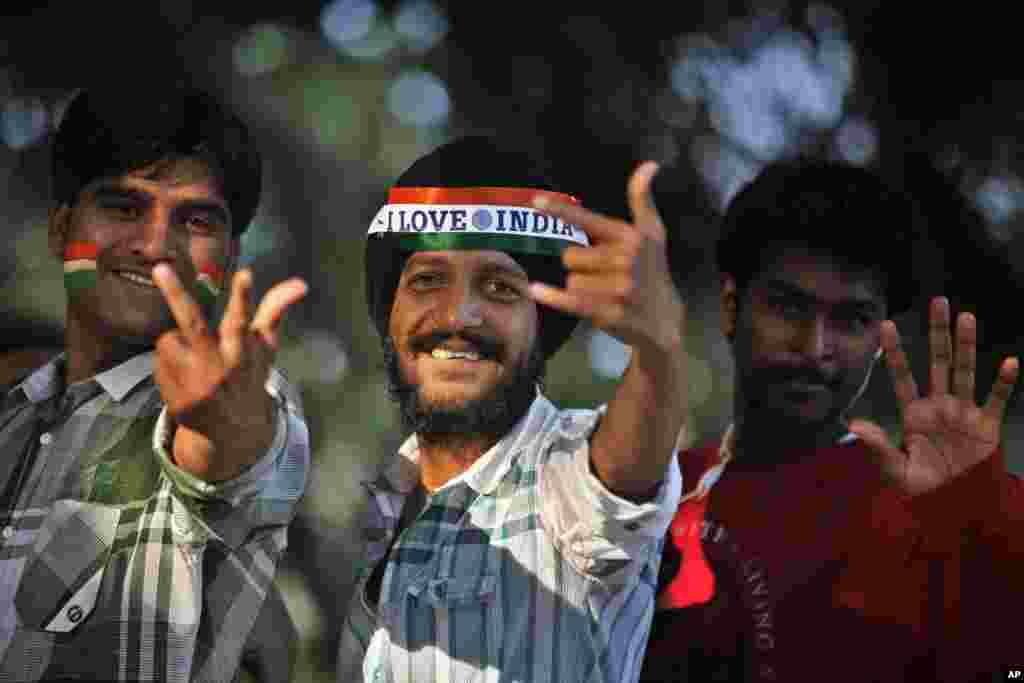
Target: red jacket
x: 814, y: 570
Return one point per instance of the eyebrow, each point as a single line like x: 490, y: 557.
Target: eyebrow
x: 490, y: 268
x: 111, y: 189
x: 795, y: 291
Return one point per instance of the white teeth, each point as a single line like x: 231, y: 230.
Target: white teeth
x: 445, y: 354
x: 136, y: 278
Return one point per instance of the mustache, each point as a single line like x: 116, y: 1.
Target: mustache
x: 485, y: 346
x: 784, y: 374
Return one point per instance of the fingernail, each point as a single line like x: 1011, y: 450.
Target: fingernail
x: 536, y: 289
x: 161, y: 270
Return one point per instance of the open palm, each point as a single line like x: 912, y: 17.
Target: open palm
x: 944, y: 432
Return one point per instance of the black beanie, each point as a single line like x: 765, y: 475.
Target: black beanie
x: 478, y: 164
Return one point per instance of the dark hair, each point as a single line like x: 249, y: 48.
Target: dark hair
x: 848, y: 212
x: 107, y: 133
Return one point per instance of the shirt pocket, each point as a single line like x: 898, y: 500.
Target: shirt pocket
x: 463, y: 616
x: 60, y: 586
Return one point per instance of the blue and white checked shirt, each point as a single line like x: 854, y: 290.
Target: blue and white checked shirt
x: 525, y: 568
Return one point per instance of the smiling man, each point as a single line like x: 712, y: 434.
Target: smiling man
x: 808, y: 546
x: 509, y: 540
x: 150, y: 470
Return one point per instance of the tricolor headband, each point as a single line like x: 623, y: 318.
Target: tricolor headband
x: 499, y: 218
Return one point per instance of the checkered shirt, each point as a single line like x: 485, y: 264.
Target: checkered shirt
x: 115, y: 565
x: 525, y: 568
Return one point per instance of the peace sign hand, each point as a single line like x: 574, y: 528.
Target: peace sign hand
x: 213, y: 382
x: 944, y: 433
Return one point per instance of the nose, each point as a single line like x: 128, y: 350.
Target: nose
x: 464, y: 309
x: 153, y: 240
x: 817, y: 339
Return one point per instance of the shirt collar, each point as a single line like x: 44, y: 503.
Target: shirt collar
x: 46, y: 381
x: 403, y: 472
x: 120, y: 379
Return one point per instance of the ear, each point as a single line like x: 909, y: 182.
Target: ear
x: 729, y: 302
x: 59, y: 229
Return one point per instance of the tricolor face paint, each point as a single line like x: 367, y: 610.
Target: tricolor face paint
x: 80, y: 266
x: 209, y: 284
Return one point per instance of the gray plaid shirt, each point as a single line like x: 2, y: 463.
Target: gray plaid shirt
x: 525, y: 568
x: 115, y: 565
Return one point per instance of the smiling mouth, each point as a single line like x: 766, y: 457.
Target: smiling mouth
x: 136, y: 278
x: 445, y: 354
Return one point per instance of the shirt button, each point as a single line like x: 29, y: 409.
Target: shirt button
x: 8, y: 531
x: 46, y: 438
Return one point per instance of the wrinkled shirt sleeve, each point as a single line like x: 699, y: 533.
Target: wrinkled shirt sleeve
x: 604, y: 536
x: 265, y: 494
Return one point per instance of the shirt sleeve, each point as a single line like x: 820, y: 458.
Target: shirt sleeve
x: 263, y: 495
x: 604, y: 536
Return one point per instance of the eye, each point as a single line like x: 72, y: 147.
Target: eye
x: 202, y: 223
x: 499, y: 290
x: 854, y: 322
x: 786, y: 307
x: 425, y: 280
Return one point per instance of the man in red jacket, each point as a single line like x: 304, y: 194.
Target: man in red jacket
x: 811, y: 547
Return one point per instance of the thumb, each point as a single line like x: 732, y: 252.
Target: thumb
x: 892, y: 460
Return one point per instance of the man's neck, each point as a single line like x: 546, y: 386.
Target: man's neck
x: 765, y: 440
x: 89, y: 354
x: 445, y: 457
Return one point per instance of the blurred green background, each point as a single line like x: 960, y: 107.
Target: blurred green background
x: 344, y: 95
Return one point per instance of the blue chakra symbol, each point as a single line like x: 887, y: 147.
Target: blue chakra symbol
x: 481, y: 219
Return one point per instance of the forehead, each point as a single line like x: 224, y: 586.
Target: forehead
x: 189, y: 176
x: 821, y: 274
x: 469, y: 260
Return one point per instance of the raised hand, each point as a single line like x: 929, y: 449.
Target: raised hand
x: 213, y: 382
x: 944, y: 433
x: 622, y: 281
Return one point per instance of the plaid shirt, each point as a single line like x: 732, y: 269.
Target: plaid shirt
x: 525, y: 568
x: 115, y: 565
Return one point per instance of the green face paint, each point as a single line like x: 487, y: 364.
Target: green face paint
x: 80, y: 266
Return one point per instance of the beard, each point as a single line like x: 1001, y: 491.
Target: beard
x: 488, y: 417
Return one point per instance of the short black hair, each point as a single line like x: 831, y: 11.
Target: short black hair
x: 108, y: 132
x: 845, y: 211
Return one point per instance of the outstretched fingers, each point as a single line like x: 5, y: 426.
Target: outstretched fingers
x: 641, y: 200
x: 941, y: 345
x: 273, y: 306
x: 966, y: 361
x: 1009, y: 371
x: 903, y: 383
x: 235, y: 324
x: 186, y: 312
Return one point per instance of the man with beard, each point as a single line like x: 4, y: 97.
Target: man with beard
x: 148, y: 476
x: 808, y: 546
x: 510, y: 540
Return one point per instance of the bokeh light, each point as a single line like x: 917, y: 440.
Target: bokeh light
x: 769, y: 90
x: 347, y: 21
x: 419, y: 98
x: 857, y: 141
x: 999, y: 198
x: 420, y: 24
x: 262, y: 49
x: 23, y: 122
